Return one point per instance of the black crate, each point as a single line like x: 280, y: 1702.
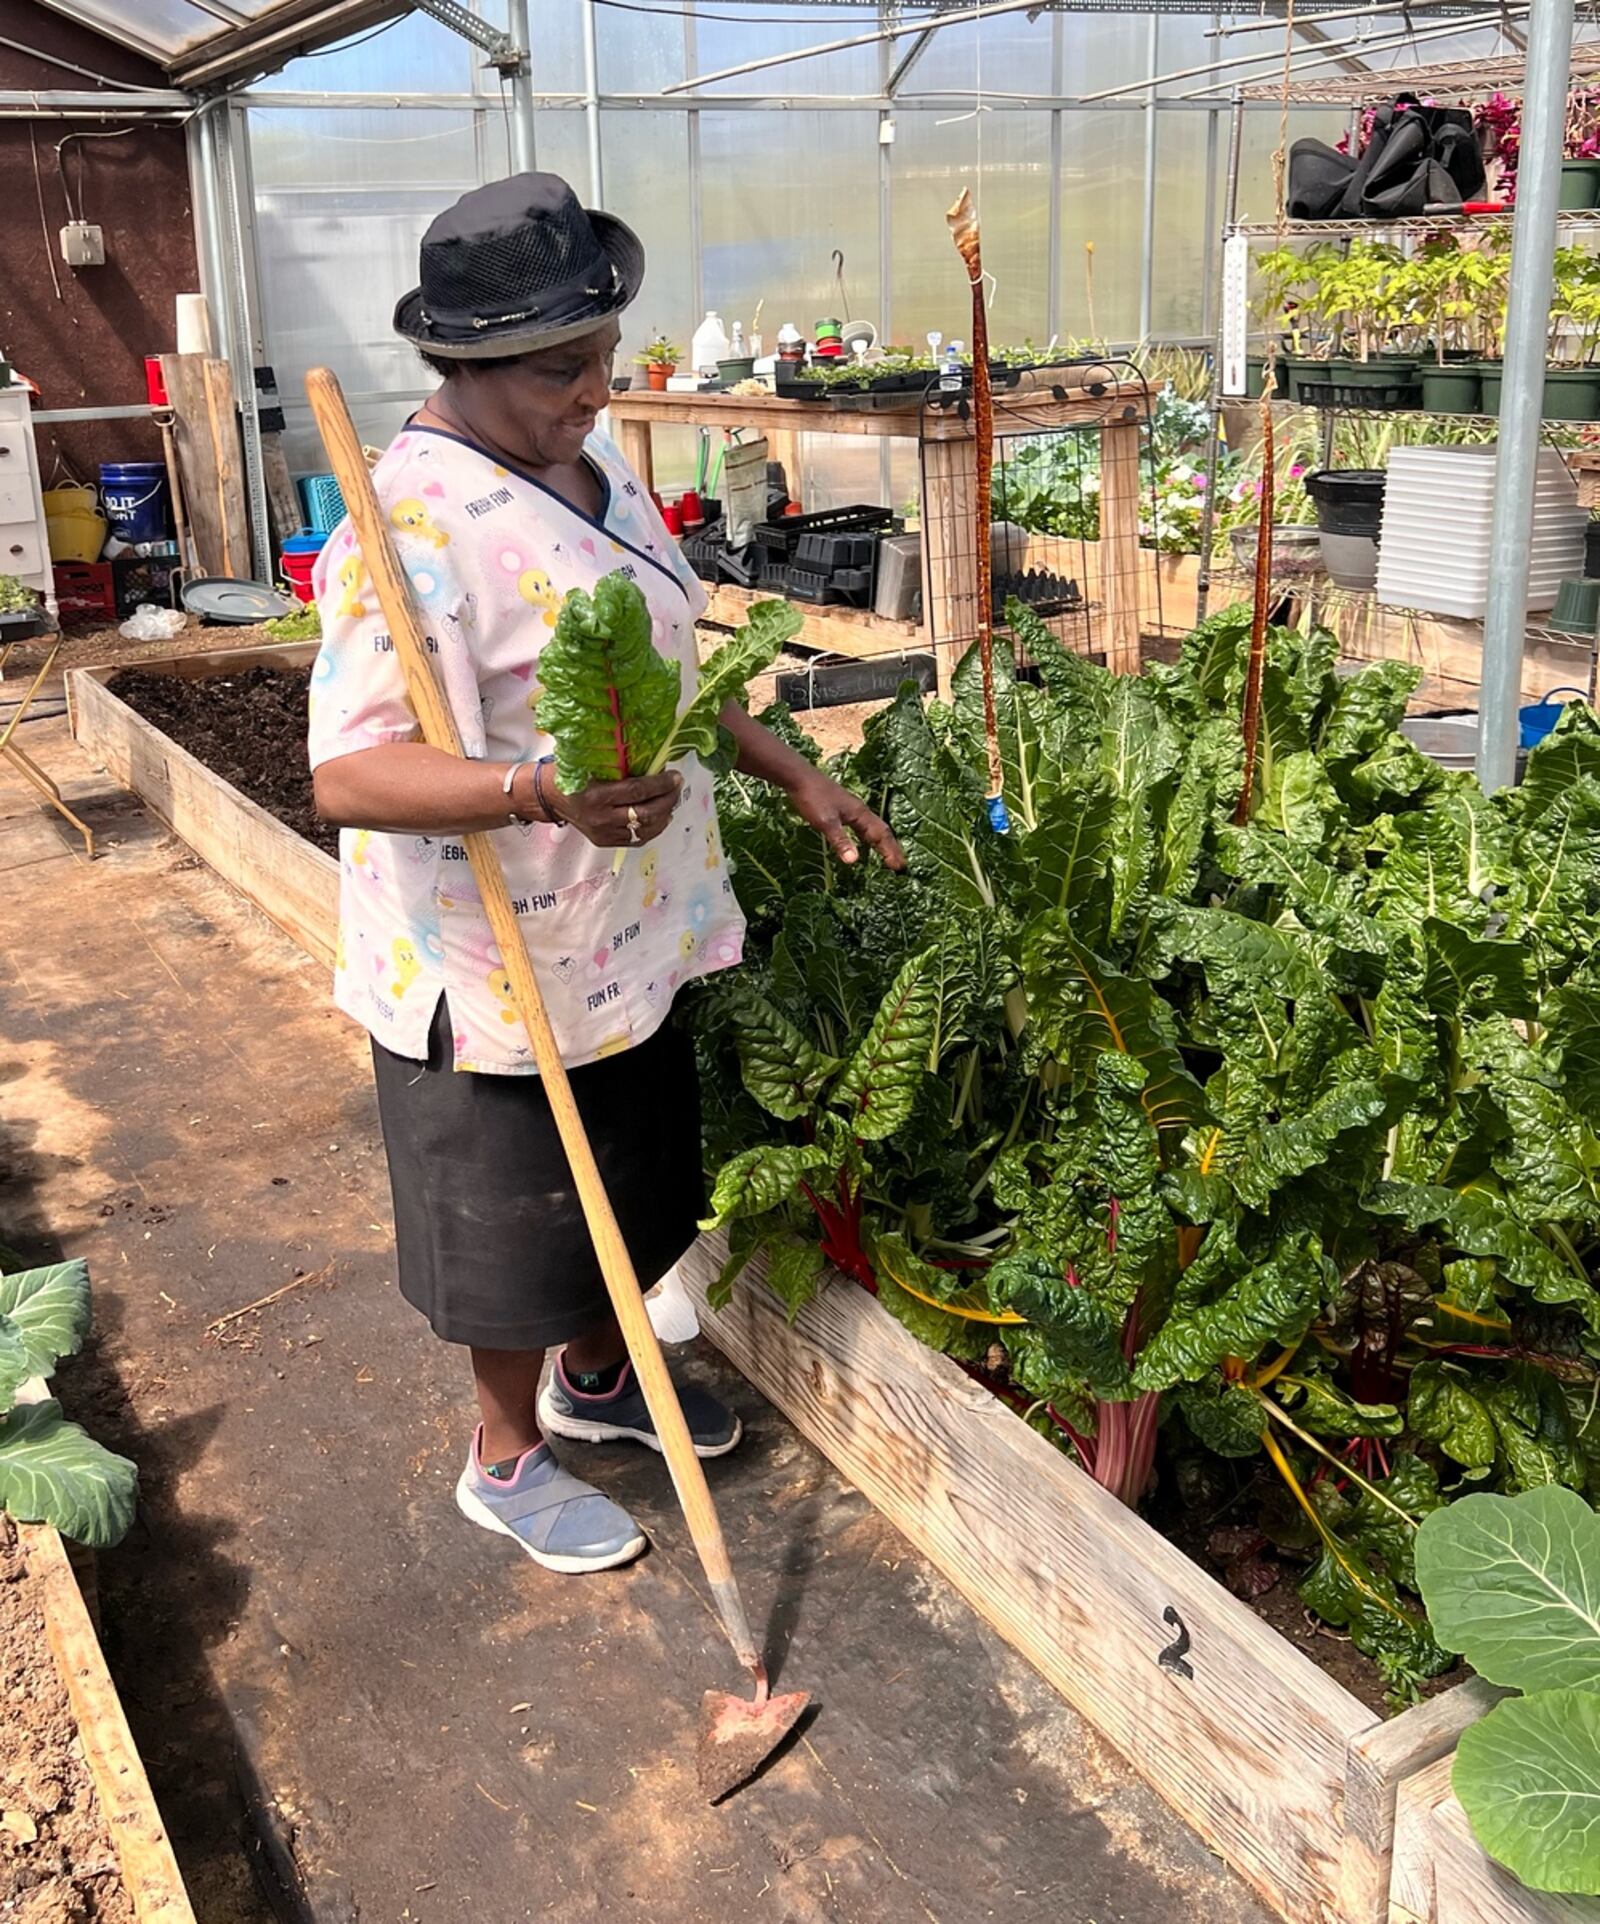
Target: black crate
x: 780, y: 539
x: 137, y: 579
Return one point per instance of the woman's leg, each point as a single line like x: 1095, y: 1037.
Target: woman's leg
x: 507, y: 1382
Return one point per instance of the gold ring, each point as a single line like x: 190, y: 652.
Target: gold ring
x: 633, y: 823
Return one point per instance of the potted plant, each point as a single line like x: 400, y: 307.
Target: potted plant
x: 1289, y: 307
x: 659, y: 361
x: 1444, y: 309
x: 20, y: 612
x: 1580, y: 170
x: 1359, y: 295
x: 1572, y: 382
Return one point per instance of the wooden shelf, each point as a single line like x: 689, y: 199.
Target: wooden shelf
x: 838, y: 631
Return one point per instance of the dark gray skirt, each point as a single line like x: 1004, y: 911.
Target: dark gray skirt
x: 489, y: 1233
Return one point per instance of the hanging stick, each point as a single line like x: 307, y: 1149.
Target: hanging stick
x: 1256, y: 668
x: 963, y: 223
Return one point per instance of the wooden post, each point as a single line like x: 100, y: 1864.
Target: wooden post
x: 206, y: 431
x: 633, y: 438
x: 1120, y: 577
x: 949, y: 554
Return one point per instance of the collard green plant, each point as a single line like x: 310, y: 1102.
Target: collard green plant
x: 1513, y: 1583
x: 1276, y: 1140
x: 610, y: 700
x: 50, y: 1470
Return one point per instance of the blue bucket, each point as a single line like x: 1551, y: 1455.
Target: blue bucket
x: 1537, y: 718
x: 135, y: 497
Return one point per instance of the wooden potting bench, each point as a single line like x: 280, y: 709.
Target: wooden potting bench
x: 949, y: 563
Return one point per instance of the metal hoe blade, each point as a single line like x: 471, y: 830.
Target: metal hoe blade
x: 736, y: 1738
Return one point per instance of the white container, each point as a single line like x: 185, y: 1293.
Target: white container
x: 710, y: 345
x: 193, y: 324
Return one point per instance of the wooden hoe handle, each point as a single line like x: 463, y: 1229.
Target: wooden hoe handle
x: 393, y: 589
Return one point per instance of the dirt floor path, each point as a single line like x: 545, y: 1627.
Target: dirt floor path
x: 427, y: 1727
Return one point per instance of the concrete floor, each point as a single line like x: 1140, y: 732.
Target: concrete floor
x: 317, y: 1652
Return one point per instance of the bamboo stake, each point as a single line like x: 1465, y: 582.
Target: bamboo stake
x: 393, y: 589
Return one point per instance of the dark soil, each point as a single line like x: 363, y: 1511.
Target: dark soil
x: 1217, y: 1532
x: 57, y: 1864
x: 249, y: 728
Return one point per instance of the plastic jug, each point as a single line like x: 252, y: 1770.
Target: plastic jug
x: 710, y: 345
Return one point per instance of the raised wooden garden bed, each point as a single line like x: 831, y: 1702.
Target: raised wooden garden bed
x: 122, y: 1807
x: 1442, y: 1875
x: 1285, y: 1773
x: 294, y: 883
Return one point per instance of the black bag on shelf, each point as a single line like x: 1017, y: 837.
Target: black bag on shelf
x: 1417, y: 157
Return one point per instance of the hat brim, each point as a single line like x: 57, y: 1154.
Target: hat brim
x: 620, y: 245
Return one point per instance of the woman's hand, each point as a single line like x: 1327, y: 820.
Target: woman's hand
x: 601, y: 812
x: 841, y: 818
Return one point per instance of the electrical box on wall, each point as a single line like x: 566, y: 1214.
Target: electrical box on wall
x: 83, y: 244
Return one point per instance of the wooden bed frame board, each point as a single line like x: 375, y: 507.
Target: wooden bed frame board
x: 1282, y: 1771
x: 1290, y: 1778
x: 294, y: 883
x: 1443, y: 1876
x: 150, y: 1873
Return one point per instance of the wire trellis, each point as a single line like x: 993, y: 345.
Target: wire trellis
x: 1046, y: 544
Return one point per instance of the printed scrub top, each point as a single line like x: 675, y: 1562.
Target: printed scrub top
x: 491, y: 552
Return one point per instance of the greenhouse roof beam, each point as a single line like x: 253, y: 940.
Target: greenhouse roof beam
x: 1310, y: 31
x: 908, y: 60
x: 1392, y: 44
x: 275, y: 35
x: 901, y: 32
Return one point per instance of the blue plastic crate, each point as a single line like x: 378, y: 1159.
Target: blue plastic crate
x: 322, y: 501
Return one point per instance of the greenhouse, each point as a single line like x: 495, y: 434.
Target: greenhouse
x: 800, y: 837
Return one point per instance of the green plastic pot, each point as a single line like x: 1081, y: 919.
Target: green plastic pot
x: 1489, y: 373
x: 1580, y: 184
x: 1255, y: 376
x: 1571, y: 393
x: 1451, y: 389
x: 1577, y: 609
x: 1385, y: 370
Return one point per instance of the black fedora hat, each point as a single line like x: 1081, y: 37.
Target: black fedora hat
x: 517, y: 266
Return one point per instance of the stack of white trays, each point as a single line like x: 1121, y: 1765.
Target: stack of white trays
x: 1433, y: 552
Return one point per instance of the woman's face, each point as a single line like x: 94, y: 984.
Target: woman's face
x: 541, y: 409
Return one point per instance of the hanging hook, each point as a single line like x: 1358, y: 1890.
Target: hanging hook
x: 838, y: 276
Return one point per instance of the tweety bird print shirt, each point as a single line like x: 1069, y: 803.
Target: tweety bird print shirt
x: 491, y: 552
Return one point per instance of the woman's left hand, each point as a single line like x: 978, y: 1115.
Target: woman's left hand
x: 841, y: 818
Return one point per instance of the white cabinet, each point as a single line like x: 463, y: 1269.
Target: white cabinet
x: 24, y: 545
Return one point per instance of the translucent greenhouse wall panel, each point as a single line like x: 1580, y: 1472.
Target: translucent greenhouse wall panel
x: 771, y: 217
x: 727, y: 40
x: 646, y: 161
x: 1258, y: 197
x: 415, y: 56
x: 342, y: 199
x: 1011, y: 54
x: 1102, y: 205
x: 1184, y: 241
x: 1005, y: 159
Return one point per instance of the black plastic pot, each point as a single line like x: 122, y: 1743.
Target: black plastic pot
x: 1348, y: 500
x: 20, y: 624
x: 1591, y: 549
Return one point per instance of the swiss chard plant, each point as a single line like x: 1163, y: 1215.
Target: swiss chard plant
x: 50, y: 1470
x: 1512, y: 1583
x: 1278, y: 1139
x: 609, y: 698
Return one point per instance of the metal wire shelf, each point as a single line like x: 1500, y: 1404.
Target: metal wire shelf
x: 1418, y: 226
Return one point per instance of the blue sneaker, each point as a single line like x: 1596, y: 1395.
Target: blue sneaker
x: 562, y: 1522
x: 620, y: 1415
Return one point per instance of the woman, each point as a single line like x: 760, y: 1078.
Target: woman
x: 502, y: 497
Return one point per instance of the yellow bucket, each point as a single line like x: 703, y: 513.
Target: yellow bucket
x: 77, y: 528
